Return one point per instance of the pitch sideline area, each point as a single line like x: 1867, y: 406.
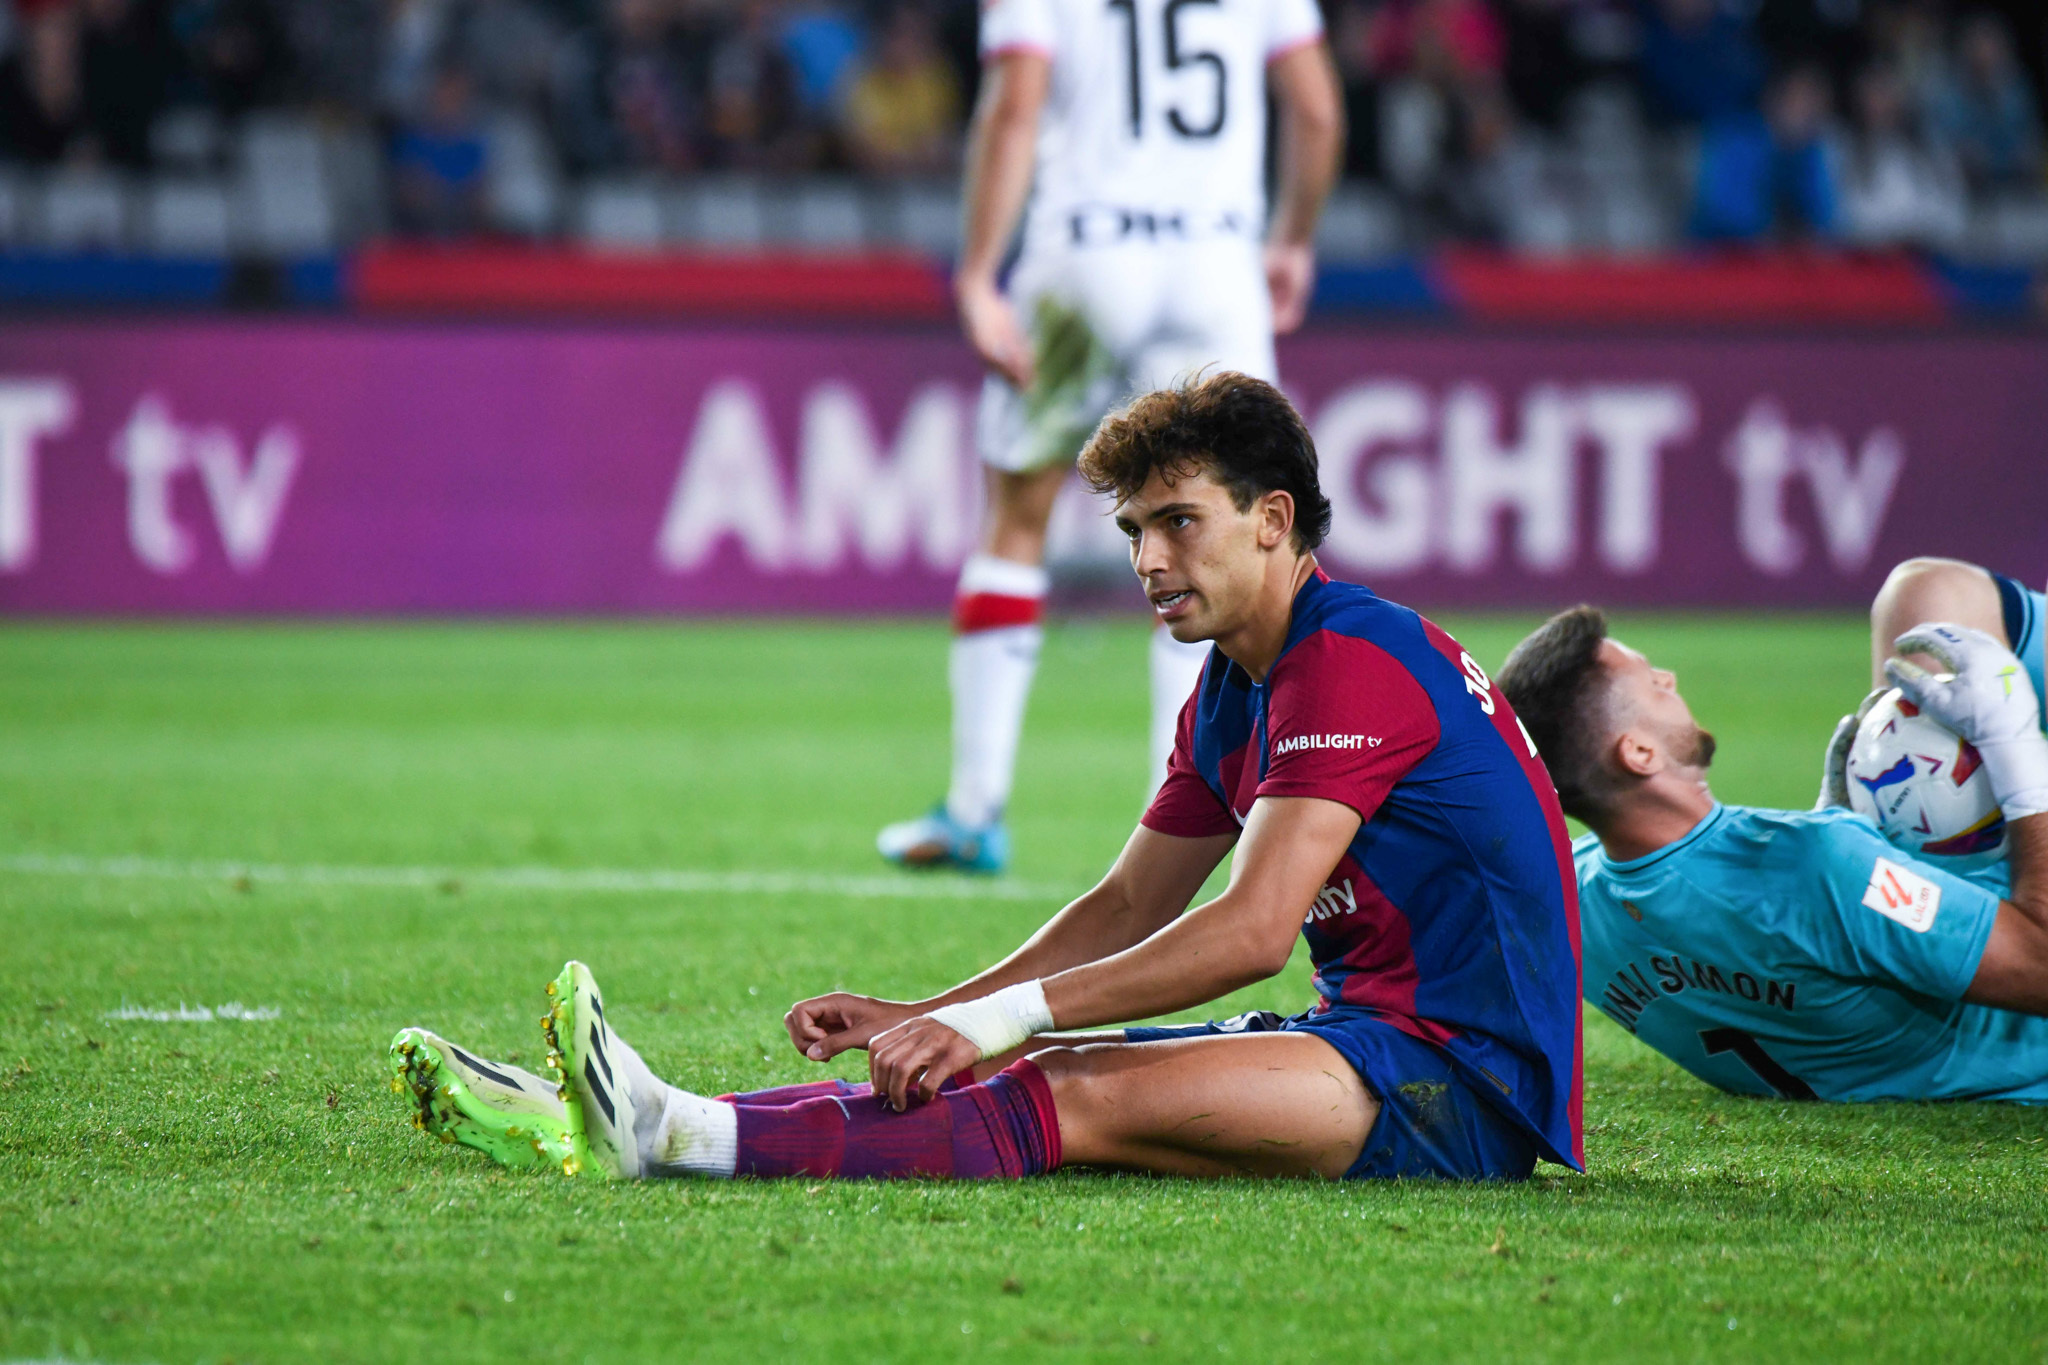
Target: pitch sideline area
x: 336, y: 831
x: 584, y: 881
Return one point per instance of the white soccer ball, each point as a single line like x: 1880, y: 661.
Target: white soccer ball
x: 1924, y: 786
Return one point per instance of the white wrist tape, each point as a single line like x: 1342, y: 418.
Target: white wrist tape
x: 2018, y: 769
x: 996, y: 1023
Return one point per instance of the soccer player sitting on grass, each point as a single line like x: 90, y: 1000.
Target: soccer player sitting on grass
x: 1383, y: 803
x: 1797, y: 953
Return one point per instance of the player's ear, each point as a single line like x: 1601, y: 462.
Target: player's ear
x: 1636, y: 756
x: 1276, y: 518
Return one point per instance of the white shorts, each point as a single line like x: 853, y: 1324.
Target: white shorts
x: 1108, y: 322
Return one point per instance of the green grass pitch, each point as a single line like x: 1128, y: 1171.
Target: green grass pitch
x: 247, y: 1188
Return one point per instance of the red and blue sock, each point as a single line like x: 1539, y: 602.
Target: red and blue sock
x: 1005, y: 1127
x: 778, y: 1096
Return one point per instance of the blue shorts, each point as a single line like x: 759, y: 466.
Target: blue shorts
x: 2026, y: 616
x: 1432, y: 1124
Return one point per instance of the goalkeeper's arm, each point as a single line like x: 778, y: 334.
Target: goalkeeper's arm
x: 1988, y: 699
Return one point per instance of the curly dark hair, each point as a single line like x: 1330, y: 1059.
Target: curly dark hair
x: 1239, y: 430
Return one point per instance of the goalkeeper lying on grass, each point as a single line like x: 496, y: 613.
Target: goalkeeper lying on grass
x: 1796, y: 953
x: 1386, y: 805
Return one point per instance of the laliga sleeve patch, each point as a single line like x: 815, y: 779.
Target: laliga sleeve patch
x: 1901, y: 894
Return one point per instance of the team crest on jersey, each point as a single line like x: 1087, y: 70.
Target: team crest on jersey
x: 1901, y: 894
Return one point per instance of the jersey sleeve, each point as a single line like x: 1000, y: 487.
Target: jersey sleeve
x: 1018, y: 25
x: 1291, y: 24
x: 1186, y: 806
x: 1882, y: 915
x: 1345, y: 722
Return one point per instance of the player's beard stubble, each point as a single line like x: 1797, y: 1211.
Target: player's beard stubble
x: 1699, y: 751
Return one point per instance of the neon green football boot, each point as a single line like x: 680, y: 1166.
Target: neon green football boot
x: 586, y: 1059
x: 512, y: 1116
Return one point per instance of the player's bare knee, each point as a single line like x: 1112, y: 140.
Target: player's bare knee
x: 1063, y: 1071
x: 1076, y: 1079
x: 1928, y: 588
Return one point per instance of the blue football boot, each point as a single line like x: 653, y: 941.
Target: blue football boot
x: 938, y: 840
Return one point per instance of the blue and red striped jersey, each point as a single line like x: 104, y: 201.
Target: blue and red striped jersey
x: 1454, y: 913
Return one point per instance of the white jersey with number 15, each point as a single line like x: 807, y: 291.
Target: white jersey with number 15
x: 1156, y: 119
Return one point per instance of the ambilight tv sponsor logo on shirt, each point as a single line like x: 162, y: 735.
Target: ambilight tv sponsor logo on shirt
x: 1294, y: 743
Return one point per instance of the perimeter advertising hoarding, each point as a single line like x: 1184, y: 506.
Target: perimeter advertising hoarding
x: 341, y: 467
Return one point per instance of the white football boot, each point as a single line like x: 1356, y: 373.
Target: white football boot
x: 584, y: 1057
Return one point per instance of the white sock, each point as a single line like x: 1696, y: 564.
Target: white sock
x: 678, y: 1133
x: 991, y: 668
x: 647, y: 1091
x: 694, y: 1136
x: 1176, y: 668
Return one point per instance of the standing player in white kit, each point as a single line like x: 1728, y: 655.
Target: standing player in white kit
x: 1137, y: 129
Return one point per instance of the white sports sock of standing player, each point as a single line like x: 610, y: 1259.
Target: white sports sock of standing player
x: 997, y: 636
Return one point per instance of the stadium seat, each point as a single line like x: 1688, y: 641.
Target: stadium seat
x: 280, y: 145
x: 286, y: 208
x: 2014, y: 230
x: 287, y: 218
x: 522, y: 191
x: 1360, y: 223
x: 1538, y: 215
x: 825, y: 213
x: 1614, y: 174
x: 186, y: 217
x: 720, y: 211
x: 13, y: 207
x: 352, y: 159
x: 1606, y: 124
x: 923, y: 215
x: 1413, y: 119
x: 620, y: 214
x: 1629, y: 220
x: 84, y: 210
x: 187, y: 138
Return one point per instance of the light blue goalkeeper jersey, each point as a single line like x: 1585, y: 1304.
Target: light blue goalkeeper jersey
x: 2026, y: 619
x: 1798, y: 954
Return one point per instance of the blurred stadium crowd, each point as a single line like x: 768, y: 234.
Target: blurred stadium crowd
x: 288, y: 127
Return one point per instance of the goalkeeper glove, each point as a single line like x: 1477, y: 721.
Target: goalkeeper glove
x: 1987, y: 698
x: 1834, y: 771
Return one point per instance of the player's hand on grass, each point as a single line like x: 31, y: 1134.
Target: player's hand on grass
x: 1290, y: 279
x: 827, y: 1025
x: 910, y: 1062
x: 991, y: 327
x: 1834, y: 772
